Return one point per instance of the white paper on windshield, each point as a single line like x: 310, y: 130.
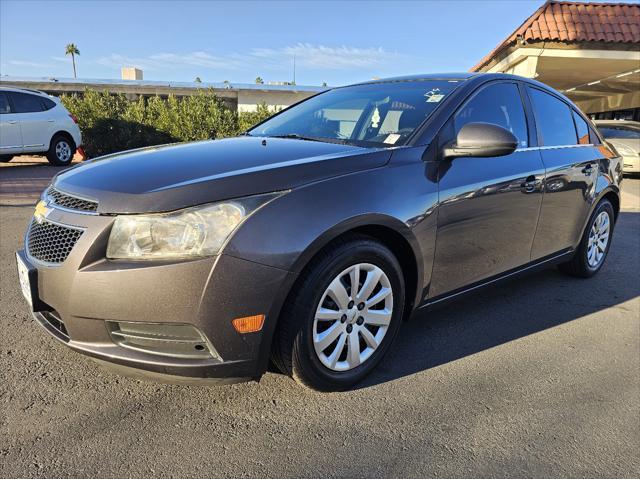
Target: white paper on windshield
x: 392, y: 138
x: 434, y: 96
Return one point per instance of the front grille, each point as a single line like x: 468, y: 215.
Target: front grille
x: 59, y: 198
x: 50, y: 242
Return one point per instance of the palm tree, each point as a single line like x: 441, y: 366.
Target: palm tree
x: 259, y: 81
x: 72, y: 50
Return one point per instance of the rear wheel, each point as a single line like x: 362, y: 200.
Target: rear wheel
x: 342, y: 315
x: 61, y: 151
x: 5, y: 158
x: 595, y: 243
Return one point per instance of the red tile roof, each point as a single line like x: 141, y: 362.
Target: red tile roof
x: 576, y: 22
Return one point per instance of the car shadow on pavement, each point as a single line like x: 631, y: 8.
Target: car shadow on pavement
x: 512, y: 310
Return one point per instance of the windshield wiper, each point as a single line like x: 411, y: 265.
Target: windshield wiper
x: 321, y: 139
x: 295, y: 136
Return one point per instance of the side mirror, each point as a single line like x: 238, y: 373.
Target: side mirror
x: 481, y: 140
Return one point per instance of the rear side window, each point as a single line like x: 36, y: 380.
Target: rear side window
x: 25, y: 103
x: 582, y: 129
x: 553, y: 119
x: 499, y: 104
x: 4, y: 104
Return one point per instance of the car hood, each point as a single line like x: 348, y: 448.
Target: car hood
x: 629, y: 142
x: 171, y: 177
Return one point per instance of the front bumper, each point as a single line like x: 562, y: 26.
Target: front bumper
x: 87, y: 292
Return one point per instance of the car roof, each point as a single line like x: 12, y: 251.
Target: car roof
x: 23, y: 90
x: 418, y: 77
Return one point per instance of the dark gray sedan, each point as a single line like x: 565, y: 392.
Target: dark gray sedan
x: 309, y: 239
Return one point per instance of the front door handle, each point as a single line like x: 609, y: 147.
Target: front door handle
x: 530, y: 184
x: 12, y: 122
x: 50, y: 121
x: 587, y: 170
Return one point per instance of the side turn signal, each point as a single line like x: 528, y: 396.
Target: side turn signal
x: 249, y: 324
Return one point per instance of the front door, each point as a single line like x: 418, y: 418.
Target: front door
x: 488, y: 207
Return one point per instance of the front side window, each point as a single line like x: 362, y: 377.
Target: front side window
x: 25, y: 103
x: 553, y: 119
x: 499, y: 104
x: 375, y: 114
x: 620, y: 132
x: 4, y: 104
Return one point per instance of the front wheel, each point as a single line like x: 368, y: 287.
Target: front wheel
x: 342, y: 315
x: 595, y: 243
x: 5, y: 158
x: 61, y: 151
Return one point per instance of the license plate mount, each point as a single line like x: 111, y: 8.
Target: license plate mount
x: 28, y: 279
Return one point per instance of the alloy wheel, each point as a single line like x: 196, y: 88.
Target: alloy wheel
x: 598, y: 239
x: 353, y: 317
x: 63, y: 151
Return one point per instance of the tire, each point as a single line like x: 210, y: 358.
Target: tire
x: 585, y: 263
x: 297, y: 340
x: 5, y: 158
x: 61, y: 151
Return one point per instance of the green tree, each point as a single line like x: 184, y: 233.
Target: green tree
x: 72, y: 50
x: 259, y: 81
x: 197, y: 80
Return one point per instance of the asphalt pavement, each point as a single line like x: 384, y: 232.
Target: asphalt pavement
x: 539, y: 377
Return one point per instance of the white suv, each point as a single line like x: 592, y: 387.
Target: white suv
x: 32, y: 122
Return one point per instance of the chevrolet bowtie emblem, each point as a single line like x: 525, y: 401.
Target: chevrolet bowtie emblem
x: 41, y: 211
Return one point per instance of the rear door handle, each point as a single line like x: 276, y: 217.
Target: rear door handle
x: 587, y: 170
x: 50, y: 121
x: 12, y: 122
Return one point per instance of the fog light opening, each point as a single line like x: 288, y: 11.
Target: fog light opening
x: 162, y: 339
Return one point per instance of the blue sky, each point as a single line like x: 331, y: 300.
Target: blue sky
x: 334, y: 42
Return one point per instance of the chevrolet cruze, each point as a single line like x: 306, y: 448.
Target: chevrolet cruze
x: 309, y: 239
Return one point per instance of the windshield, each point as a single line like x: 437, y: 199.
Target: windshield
x: 376, y: 114
x: 620, y: 132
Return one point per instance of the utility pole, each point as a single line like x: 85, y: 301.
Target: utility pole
x: 294, y: 69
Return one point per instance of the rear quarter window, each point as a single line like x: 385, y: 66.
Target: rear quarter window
x: 48, y: 104
x: 553, y: 119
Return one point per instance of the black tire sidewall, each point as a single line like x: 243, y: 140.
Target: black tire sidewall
x: 305, y: 361
x: 51, y: 154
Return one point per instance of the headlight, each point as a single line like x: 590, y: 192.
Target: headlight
x: 192, y: 232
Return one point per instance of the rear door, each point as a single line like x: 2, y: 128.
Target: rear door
x: 35, y: 123
x: 571, y: 162
x: 488, y: 207
x: 10, y: 135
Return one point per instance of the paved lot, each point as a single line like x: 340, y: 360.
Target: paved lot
x: 538, y: 378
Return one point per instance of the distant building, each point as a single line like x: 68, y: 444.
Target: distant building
x: 588, y: 51
x: 240, y: 96
x: 131, y: 73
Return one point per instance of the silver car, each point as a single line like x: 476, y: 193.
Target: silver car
x: 624, y: 135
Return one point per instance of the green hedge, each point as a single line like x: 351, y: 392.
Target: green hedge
x: 111, y: 123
